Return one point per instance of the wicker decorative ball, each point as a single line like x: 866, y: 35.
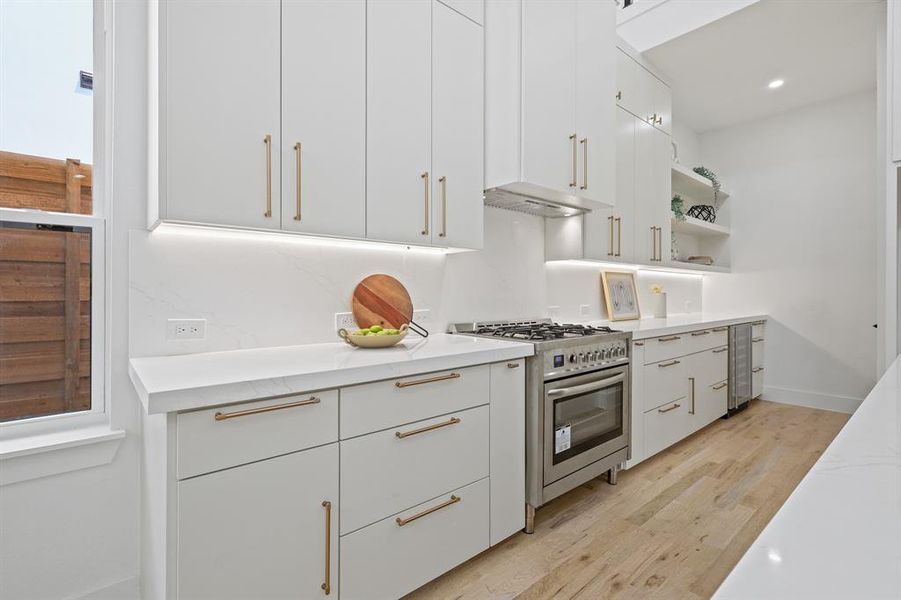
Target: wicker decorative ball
x: 705, y: 212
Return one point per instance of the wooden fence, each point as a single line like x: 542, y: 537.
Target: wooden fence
x: 45, y: 291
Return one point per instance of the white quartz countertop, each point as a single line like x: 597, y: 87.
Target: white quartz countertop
x: 172, y: 383
x: 647, y: 328
x: 839, y: 533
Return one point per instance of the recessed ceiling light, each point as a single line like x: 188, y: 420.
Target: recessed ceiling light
x: 776, y: 83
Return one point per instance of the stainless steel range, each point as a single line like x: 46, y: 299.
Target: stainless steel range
x: 577, y: 403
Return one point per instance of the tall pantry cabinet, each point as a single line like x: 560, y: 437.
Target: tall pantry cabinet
x: 357, y: 119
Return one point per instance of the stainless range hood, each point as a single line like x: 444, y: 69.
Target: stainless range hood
x: 538, y: 200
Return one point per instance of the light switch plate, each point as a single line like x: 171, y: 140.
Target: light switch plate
x: 345, y: 320
x: 186, y: 329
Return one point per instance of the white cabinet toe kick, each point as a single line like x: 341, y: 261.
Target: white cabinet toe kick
x: 366, y: 491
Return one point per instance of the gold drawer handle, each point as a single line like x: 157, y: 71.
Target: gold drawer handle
x: 425, y: 180
x: 298, y: 187
x: 699, y: 333
x: 666, y: 410
x: 670, y: 364
x: 720, y: 386
x: 404, y: 434
x: 671, y: 338
x: 512, y: 365
x: 757, y: 340
x: 718, y: 329
x: 453, y: 500
x: 327, y: 585
x: 267, y: 141
x: 718, y: 350
x: 219, y: 416
x: 403, y: 384
x: 757, y: 370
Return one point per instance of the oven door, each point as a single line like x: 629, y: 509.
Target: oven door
x: 585, y: 419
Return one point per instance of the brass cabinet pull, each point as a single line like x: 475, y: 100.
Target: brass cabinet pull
x: 267, y: 140
x: 574, y: 182
x: 658, y: 120
x: 659, y: 244
x: 691, y: 410
x: 718, y: 350
x: 670, y: 364
x: 673, y: 407
x: 610, y: 250
x: 758, y: 339
x: 699, y: 333
x: 720, y: 386
x: 327, y: 585
x: 653, y: 243
x: 652, y: 119
x: 718, y: 329
x: 584, y: 142
x: 619, y: 236
x: 512, y: 365
x: 757, y: 369
x: 425, y: 179
x: 443, y: 182
x: 453, y: 500
x: 638, y: 343
x: 299, y: 165
x: 670, y: 338
x: 405, y: 434
x: 219, y: 416
x: 403, y: 384
x: 619, y: 95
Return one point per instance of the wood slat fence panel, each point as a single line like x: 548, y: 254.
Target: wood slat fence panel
x: 45, y: 291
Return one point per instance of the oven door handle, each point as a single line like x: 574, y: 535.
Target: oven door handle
x: 586, y: 387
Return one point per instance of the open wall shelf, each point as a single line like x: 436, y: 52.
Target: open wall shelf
x: 694, y: 188
x: 694, y: 226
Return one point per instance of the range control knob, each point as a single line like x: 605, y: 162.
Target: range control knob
x: 572, y: 358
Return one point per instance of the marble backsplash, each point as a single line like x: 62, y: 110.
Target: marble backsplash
x: 258, y: 290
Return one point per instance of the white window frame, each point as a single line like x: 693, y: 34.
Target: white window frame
x: 99, y: 225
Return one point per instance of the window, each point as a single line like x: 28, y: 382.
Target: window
x: 52, y: 228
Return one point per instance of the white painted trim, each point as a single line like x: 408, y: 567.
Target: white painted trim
x: 844, y: 404
x: 27, y: 458
x: 127, y: 589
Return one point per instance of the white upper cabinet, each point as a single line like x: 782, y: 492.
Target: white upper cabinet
x: 398, y: 140
x: 625, y: 81
x: 457, y: 129
x: 549, y: 137
x: 323, y: 150
x: 471, y: 9
x: 220, y: 142
x: 663, y: 107
x: 595, y: 108
x: 649, y: 198
x: 894, y: 60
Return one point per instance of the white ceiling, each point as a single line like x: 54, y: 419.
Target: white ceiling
x: 823, y: 49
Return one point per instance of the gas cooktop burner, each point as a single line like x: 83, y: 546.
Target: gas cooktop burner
x: 540, y: 331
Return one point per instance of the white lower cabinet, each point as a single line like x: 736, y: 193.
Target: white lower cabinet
x: 402, y: 552
x: 666, y: 425
x: 261, y: 530
x: 430, y: 468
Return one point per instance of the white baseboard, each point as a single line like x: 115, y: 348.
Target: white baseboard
x: 127, y: 589
x: 845, y: 404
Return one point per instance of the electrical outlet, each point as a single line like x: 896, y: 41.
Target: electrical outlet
x: 553, y: 312
x: 422, y: 316
x: 186, y: 329
x: 584, y: 310
x: 345, y: 320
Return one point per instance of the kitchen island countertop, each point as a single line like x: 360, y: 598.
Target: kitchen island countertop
x: 839, y: 533
x: 679, y: 323
x: 189, y: 381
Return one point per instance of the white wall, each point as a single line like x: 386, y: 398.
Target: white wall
x: 78, y: 534
x: 43, y: 46
x: 804, y: 244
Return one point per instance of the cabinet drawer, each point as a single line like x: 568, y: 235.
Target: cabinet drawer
x: 705, y: 339
x: 758, y: 330
x: 666, y: 381
x: 387, y: 560
x: 375, y: 406
x: 389, y: 471
x: 217, y: 438
x: 665, y: 347
x: 710, y: 366
x: 666, y: 425
x: 711, y: 402
x: 757, y: 381
x: 757, y: 347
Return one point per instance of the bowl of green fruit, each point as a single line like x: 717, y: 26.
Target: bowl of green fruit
x: 373, y: 337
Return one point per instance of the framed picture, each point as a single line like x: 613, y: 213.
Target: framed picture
x: 620, y: 296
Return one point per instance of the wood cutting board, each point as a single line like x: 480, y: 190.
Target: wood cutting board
x: 381, y: 300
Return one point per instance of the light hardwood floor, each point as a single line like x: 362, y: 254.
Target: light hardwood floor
x: 674, y: 526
